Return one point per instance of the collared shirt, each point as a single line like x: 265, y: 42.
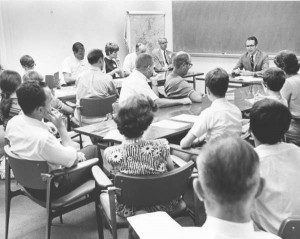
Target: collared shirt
x: 30, y: 139
x: 129, y: 62
x: 164, y: 58
x: 280, y: 166
x: 135, y: 84
x: 74, y: 66
x: 177, y: 87
x: 220, y: 118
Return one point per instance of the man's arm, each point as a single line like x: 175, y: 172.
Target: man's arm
x: 239, y: 64
x: 164, y: 102
x: 196, y: 97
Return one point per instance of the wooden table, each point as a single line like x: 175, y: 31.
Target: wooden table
x: 99, y: 130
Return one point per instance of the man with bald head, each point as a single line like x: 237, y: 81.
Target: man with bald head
x: 137, y: 83
x: 176, y: 87
x: 161, y: 56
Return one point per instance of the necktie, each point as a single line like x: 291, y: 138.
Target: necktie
x: 251, y: 61
x: 166, y: 58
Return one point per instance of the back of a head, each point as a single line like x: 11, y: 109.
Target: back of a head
x: 33, y: 76
x: 94, y: 56
x: 269, y: 121
x: 76, y: 46
x: 180, y: 58
x: 287, y: 61
x: 217, y: 81
x: 143, y: 61
x: 274, y: 78
x: 27, y: 61
x: 135, y: 115
x: 31, y: 95
x: 228, y: 170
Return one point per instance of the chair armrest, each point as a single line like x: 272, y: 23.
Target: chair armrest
x: 86, y: 164
x: 100, y: 177
x: 71, y: 104
x: 190, y: 151
x: 178, y: 161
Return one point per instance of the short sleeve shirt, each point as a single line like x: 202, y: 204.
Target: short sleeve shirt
x: 177, y: 87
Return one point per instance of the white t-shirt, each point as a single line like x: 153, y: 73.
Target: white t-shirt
x: 129, y: 62
x: 74, y: 66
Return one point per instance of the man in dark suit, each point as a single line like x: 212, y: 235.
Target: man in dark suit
x: 161, y: 56
x: 253, y: 62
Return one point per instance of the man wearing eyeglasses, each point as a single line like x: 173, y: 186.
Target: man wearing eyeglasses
x: 252, y: 63
x: 176, y: 86
x: 161, y: 56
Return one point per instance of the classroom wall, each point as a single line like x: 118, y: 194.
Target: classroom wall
x: 46, y: 30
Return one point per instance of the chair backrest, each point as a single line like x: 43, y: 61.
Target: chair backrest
x: 50, y: 82
x: 97, y: 107
x: 27, y: 172
x: 153, y: 189
x: 290, y: 228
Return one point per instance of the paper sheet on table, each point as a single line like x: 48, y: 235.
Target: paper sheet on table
x: 186, y: 118
x: 114, y: 134
x: 169, y: 124
x: 153, y: 225
x: 249, y: 78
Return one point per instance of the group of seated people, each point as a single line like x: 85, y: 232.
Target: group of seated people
x: 237, y: 182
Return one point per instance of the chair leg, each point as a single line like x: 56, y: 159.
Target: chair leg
x: 7, y: 197
x: 61, y: 219
x: 80, y: 141
x: 99, y: 220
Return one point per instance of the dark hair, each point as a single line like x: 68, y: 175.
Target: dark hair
x: 135, y: 115
x: 77, y: 46
x: 31, y: 95
x: 217, y: 81
x: 111, y: 47
x: 143, y: 60
x: 94, y: 56
x: 34, y: 76
x: 287, y: 61
x: 27, y: 61
x: 227, y: 168
x: 252, y: 38
x: 9, y: 82
x: 274, y: 78
x: 269, y: 121
x: 180, y: 58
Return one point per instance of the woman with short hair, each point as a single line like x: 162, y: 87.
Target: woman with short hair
x: 112, y: 62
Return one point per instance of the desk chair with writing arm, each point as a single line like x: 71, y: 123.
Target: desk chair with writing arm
x: 290, y: 228
x: 139, y: 191
x: 35, y: 175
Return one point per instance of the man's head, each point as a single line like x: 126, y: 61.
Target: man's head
x: 287, y: 61
x: 217, y: 81
x: 273, y: 79
x: 27, y: 62
x: 251, y: 45
x: 78, y: 50
x: 34, y: 99
x: 228, y: 170
x: 163, y: 43
x: 144, y: 64
x: 140, y: 48
x: 95, y: 57
x: 182, y: 63
x: 33, y: 76
x: 269, y: 121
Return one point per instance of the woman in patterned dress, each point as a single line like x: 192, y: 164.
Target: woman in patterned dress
x: 137, y: 156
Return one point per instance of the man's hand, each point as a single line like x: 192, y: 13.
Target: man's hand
x: 237, y: 71
x: 186, y: 101
x: 55, y: 117
x: 247, y: 73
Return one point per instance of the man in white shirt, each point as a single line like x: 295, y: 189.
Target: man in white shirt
x: 162, y: 57
x: 137, y: 83
x: 280, y: 165
x: 94, y: 83
x: 129, y: 62
x: 73, y: 65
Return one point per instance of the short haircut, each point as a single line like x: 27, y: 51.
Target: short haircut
x: 77, y: 46
x: 31, y: 95
x: 143, y: 61
x: 135, y: 115
x: 34, y: 76
x: 94, y: 56
x: 27, y: 61
x: 287, y: 61
x: 137, y: 46
x: 180, y: 58
x: 252, y: 38
x: 228, y: 169
x: 217, y: 81
x: 274, y: 78
x: 162, y: 39
x: 111, y: 47
x: 269, y: 121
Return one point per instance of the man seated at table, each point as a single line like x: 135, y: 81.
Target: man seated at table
x: 161, y: 56
x: 73, y: 65
x: 222, y: 117
x: 137, y: 83
x: 30, y: 138
x: 129, y: 62
x: 252, y: 63
x: 280, y: 165
x: 94, y: 83
x: 176, y: 86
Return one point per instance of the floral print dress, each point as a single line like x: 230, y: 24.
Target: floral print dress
x: 140, y: 157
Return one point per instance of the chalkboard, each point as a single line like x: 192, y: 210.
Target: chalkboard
x: 223, y: 26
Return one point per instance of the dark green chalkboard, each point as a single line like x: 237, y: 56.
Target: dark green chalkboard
x: 223, y: 26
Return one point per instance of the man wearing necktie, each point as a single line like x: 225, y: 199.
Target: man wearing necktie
x: 161, y: 56
x: 252, y: 63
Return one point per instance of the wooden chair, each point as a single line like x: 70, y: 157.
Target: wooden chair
x: 290, y: 228
x: 139, y: 191
x: 36, y: 175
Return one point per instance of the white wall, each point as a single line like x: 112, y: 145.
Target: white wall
x: 46, y: 30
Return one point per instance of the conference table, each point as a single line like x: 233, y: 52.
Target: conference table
x: 168, y: 122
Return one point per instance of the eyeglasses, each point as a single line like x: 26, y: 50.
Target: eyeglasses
x: 250, y: 45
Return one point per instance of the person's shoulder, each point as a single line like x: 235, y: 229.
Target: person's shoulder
x: 262, y: 54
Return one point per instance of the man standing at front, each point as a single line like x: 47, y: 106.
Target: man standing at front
x: 161, y: 56
x: 252, y: 63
